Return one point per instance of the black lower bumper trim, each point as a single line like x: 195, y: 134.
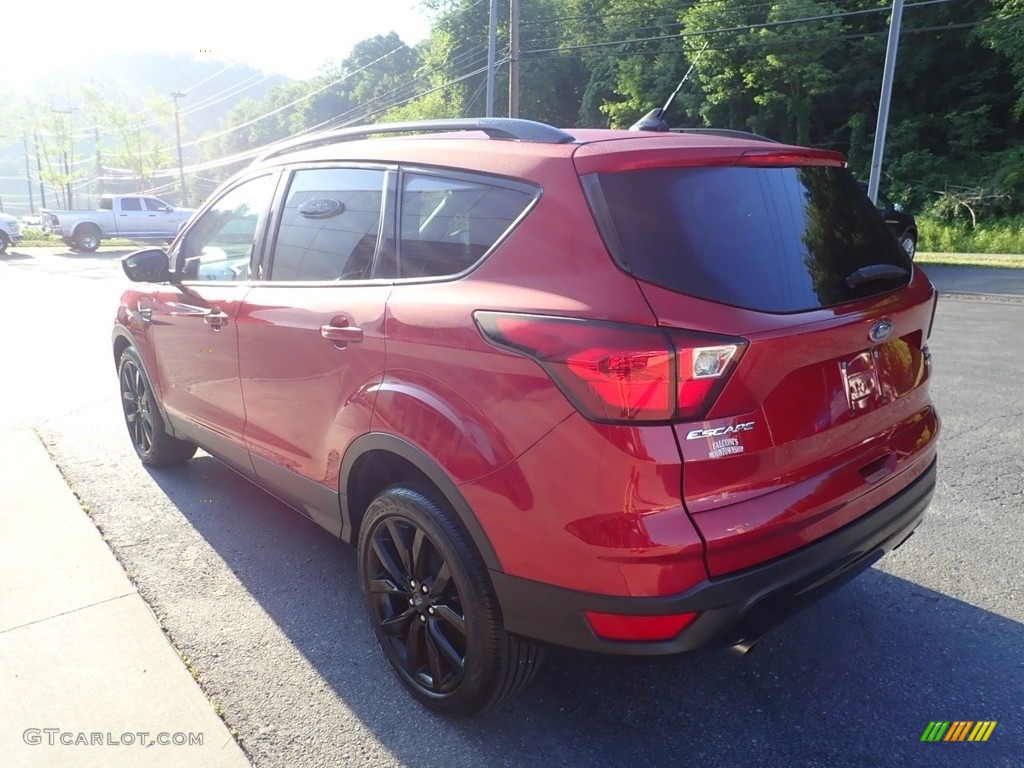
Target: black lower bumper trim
x: 734, y: 609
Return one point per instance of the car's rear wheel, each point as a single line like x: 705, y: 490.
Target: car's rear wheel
x: 153, y: 444
x: 87, y: 238
x: 433, y: 608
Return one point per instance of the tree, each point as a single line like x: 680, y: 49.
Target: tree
x: 138, y: 138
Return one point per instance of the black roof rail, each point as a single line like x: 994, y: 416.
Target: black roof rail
x: 728, y: 132
x: 505, y: 128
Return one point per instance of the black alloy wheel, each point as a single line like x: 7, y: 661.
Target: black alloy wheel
x: 433, y: 608
x: 417, y: 605
x: 154, y: 446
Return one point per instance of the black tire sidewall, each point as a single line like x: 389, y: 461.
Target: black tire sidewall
x: 486, y: 642
x: 166, y: 450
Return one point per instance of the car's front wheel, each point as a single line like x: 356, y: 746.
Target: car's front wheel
x: 5, y: 242
x: 155, y: 446
x: 433, y: 608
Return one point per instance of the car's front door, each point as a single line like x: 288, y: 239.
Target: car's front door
x: 311, y: 338
x: 194, y: 325
x: 161, y: 220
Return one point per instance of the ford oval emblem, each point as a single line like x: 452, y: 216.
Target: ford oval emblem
x: 881, y: 330
x: 321, y: 208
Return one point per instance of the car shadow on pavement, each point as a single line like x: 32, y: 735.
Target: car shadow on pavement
x: 853, y: 680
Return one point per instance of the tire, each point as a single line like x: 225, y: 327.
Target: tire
x: 153, y: 444
x: 433, y: 608
x: 5, y: 242
x: 87, y: 238
x: 908, y: 241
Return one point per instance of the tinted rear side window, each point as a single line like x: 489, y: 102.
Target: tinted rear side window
x: 768, y: 239
x: 447, y: 224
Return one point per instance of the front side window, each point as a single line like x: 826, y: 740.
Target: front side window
x: 152, y: 204
x: 219, y: 245
x: 448, y: 224
x: 330, y: 225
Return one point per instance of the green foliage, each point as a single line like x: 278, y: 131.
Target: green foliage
x: 993, y: 236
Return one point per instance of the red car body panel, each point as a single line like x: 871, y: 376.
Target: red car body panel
x: 307, y: 397
x: 196, y: 363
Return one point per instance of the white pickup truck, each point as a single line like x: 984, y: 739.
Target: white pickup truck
x: 136, y: 217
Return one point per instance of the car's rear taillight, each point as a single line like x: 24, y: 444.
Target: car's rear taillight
x: 616, y: 373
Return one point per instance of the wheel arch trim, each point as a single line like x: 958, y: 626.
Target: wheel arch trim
x: 383, y: 441
x: 122, y: 333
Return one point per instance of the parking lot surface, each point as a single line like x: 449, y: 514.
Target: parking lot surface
x: 267, y: 606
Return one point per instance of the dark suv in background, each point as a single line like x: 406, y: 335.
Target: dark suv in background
x: 634, y: 393
x: 902, y: 224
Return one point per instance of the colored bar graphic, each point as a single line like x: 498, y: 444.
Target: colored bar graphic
x: 982, y: 730
x: 958, y: 730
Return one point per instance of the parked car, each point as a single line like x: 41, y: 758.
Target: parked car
x: 135, y: 217
x: 32, y: 220
x: 634, y: 393
x: 10, y: 232
x: 901, y: 223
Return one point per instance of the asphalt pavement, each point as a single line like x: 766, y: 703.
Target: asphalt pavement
x: 179, y: 595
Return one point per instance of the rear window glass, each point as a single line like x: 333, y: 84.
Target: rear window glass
x: 768, y: 239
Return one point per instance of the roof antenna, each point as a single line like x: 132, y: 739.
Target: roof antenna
x: 655, y: 119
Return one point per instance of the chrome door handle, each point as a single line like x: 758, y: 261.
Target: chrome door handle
x: 341, y: 335
x: 216, y: 318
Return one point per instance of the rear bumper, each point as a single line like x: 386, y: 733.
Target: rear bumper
x: 736, y: 609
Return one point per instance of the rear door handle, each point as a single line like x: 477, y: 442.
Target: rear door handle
x: 216, y: 318
x: 340, y: 334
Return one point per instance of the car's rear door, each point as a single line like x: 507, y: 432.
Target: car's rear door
x: 130, y: 218
x: 194, y: 325
x: 311, y: 336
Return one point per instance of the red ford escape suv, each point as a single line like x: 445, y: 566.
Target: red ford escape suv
x: 635, y: 393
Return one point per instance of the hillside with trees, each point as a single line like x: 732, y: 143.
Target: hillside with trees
x: 804, y: 71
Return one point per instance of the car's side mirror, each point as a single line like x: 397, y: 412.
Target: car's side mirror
x: 149, y: 265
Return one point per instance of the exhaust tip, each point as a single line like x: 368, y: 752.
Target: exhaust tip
x: 743, y: 647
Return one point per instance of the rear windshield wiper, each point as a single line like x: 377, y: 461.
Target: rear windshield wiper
x: 875, y: 272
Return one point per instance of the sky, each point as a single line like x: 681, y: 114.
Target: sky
x: 292, y: 38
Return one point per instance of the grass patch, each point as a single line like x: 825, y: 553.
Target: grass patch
x: 991, y: 236
x: 1006, y: 261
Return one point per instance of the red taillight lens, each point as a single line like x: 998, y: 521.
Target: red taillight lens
x: 617, y: 373
x: 615, y: 626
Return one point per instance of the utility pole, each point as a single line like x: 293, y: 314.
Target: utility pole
x: 39, y: 167
x: 492, y: 45
x: 513, y: 59
x: 891, y: 49
x: 28, y: 177
x: 64, y: 154
x: 177, y: 130
x: 99, y: 160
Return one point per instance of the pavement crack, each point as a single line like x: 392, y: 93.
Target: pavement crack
x: 67, y: 613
